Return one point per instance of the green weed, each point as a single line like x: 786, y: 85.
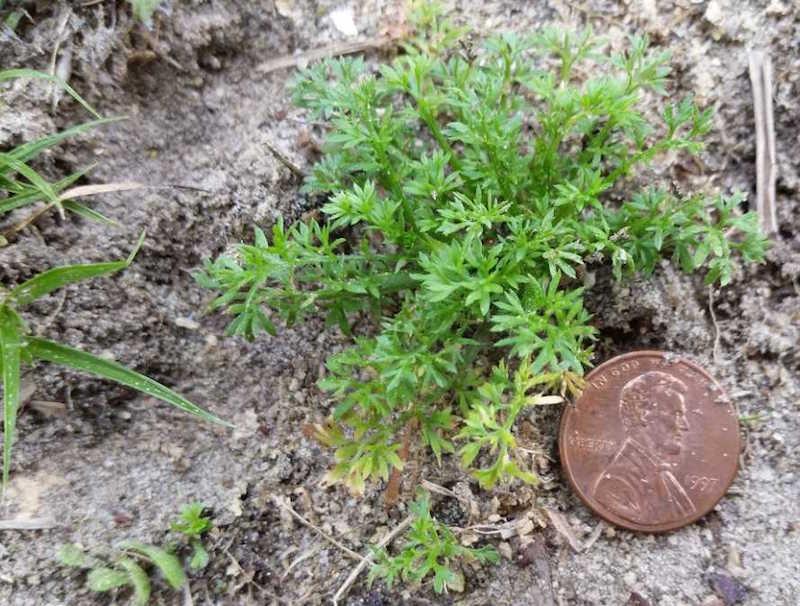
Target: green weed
x: 192, y: 524
x: 19, y: 345
x: 126, y: 566
x: 20, y: 184
x: 430, y: 548
x: 143, y: 9
x: 469, y: 187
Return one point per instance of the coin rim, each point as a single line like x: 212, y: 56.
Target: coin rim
x: 595, y: 507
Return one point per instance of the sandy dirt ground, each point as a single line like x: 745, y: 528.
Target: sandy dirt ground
x: 201, y: 109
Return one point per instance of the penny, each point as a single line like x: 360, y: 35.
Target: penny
x: 652, y: 443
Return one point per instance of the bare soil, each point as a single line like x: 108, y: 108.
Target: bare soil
x: 118, y: 465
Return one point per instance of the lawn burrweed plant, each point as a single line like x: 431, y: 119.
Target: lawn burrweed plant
x: 468, y: 188
x: 429, y: 548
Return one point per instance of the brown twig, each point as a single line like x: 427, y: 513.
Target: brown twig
x: 316, y: 529
x: 301, y: 558
x: 333, y: 50
x: 761, y: 79
x: 393, y: 485
x: 342, y: 591
x: 284, y: 159
x: 155, y: 45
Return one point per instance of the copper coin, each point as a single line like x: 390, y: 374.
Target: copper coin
x: 652, y: 443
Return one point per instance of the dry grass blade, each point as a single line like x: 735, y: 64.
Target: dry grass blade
x: 71, y: 194
x: 598, y: 530
x: 333, y: 50
x: 715, y: 322
x: 49, y: 408
x: 436, y: 488
x: 102, y: 188
x: 28, y: 524
x: 559, y: 522
x: 761, y: 79
x: 564, y: 529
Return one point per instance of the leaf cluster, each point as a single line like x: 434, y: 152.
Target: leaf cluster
x: 192, y: 524
x: 469, y: 187
x: 430, y: 548
x: 128, y: 565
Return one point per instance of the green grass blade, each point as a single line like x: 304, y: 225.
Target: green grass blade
x: 10, y: 354
x: 13, y: 19
x: 30, y: 174
x: 26, y: 151
x: 32, y: 195
x: 53, y: 279
x: 8, y: 184
x: 87, y: 213
x: 80, y: 360
x: 10, y: 74
x: 167, y: 563
x: 139, y: 580
x: 136, y: 248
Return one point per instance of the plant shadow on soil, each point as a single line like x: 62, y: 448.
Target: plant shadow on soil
x: 120, y: 466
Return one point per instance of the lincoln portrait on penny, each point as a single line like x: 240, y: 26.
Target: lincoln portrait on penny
x: 639, y: 484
